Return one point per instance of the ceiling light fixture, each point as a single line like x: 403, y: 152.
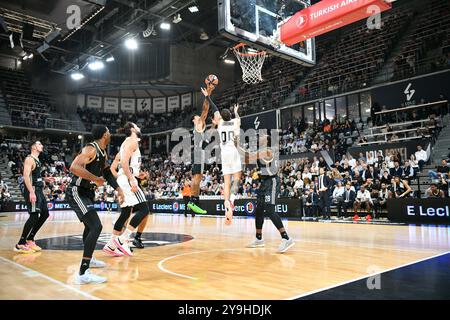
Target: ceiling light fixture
x: 193, y: 9
x: 131, y: 44
x: 165, y: 26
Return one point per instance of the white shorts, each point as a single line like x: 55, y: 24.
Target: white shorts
x: 231, y: 161
x: 131, y: 198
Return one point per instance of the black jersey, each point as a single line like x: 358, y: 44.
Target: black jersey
x: 200, y: 140
x: 95, y: 167
x: 36, y: 173
x: 268, y: 168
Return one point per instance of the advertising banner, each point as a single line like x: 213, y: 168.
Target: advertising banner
x: 326, y: 16
x: 435, y: 211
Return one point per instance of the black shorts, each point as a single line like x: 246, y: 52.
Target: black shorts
x: 81, y: 200
x: 41, y: 203
x: 269, y: 189
x: 199, y: 167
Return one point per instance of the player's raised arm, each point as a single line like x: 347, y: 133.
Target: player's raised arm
x: 78, y: 165
x: 205, y: 109
x: 129, y: 148
x: 27, y: 168
x: 212, y: 105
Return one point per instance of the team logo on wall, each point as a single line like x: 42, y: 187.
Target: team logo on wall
x: 75, y: 242
x: 250, y: 207
x: 409, y: 92
x: 176, y: 207
x: 50, y: 205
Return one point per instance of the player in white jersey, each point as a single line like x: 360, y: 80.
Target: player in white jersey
x: 229, y: 130
x: 134, y: 197
x: 137, y: 241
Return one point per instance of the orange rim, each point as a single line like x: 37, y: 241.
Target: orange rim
x: 240, y: 45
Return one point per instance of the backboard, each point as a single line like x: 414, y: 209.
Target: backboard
x: 255, y: 22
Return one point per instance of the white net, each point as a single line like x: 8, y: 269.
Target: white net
x: 251, y: 62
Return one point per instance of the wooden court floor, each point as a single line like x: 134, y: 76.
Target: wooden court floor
x: 214, y: 264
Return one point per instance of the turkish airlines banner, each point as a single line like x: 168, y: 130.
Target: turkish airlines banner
x: 159, y: 105
x: 328, y: 15
x: 173, y: 103
x: 111, y: 105
x: 144, y: 105
x: 128, y: 105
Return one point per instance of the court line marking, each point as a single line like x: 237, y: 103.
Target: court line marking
x: 366, y: 276
x: 163, y: 269
x: 57, y: 282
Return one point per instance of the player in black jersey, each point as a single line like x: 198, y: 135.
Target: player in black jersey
x: 32, y: 190
x: 267, y: 163
x: 90, y: 169
x: 198, y: 154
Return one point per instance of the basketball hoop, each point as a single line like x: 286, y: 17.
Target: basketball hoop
x: 251, y: 62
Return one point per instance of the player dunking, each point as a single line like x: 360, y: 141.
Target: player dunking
x: 137, y: 241
x: 90, y: 169
x: 229, y: 130
x: 134, y: 197
x: 198, y: 157
x: 35, y: 200
x: 270, y: 186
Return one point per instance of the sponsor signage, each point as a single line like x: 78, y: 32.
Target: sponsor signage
x: 326, y: 16
x: 432, y: 210
x: 21, y: 206
x: 243, y: 207
x: 411, y: 92
x: 405, y: 148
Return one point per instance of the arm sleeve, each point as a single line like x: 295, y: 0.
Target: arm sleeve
x: 212, y: 105
x: 107, y: 174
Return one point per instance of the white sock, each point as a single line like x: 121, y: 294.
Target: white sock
x: 126, y: 234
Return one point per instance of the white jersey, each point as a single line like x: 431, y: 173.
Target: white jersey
x: 228, y: 130
x: 231, y: 161
x: 135, y: 160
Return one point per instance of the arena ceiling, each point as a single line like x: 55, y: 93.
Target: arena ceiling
x: 105, y: 25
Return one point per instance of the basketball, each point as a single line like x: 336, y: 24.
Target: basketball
x: 212, y: 80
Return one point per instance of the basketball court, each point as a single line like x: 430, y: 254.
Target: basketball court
x: 200, y: 258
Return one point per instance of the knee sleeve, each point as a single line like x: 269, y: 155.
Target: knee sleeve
x: 92, y: 221
x: 259, y: 214
x: 43, y: 215
x: 124, y: 215
x: 142, y: 210
x: 274, y: 217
